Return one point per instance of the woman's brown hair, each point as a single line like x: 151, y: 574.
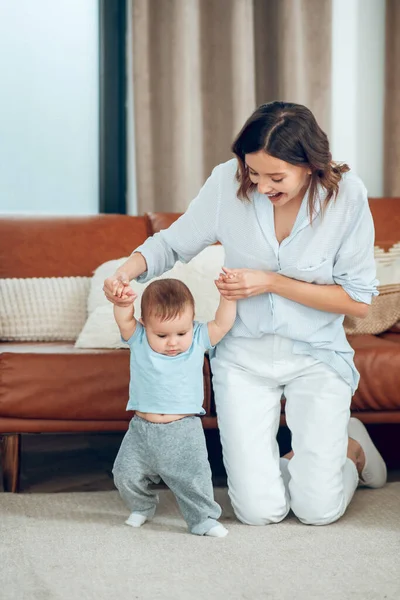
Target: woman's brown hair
x: 291, y: 133
x: 166, y: 299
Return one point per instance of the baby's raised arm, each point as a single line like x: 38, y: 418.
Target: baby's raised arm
x: 125, y: 315
x: 224, y: 320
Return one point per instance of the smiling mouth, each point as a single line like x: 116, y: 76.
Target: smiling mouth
x: 276, y: 196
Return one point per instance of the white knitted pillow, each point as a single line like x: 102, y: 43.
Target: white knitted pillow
x: 101, y: 330
x: 43, y: 308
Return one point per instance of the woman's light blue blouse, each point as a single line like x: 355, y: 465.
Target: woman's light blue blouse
x: 336, y: 248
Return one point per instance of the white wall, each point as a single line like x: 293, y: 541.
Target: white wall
x: 358, y: 72
x: 49, y: 113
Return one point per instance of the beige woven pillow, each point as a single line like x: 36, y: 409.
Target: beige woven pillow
x: 43, y: 308
x: 383, y: 313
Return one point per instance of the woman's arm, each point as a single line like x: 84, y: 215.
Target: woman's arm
x: 330, y: 298
x: 191, y: 233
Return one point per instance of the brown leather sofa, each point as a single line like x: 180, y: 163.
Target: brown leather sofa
x: 54, y: 387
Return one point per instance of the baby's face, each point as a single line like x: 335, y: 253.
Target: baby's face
x: 170, y: 337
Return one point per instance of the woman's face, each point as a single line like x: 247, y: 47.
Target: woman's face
x: 280, y: 181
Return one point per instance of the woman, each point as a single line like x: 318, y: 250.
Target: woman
x: 298, y: 237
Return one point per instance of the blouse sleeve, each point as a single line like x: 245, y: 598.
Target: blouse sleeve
x: 354, y: 268
x: 192, y: 232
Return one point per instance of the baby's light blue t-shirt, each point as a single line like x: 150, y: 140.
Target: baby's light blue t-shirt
x: 167, y: 384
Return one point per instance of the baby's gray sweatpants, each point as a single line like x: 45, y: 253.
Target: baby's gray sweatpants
x: 175, y: 452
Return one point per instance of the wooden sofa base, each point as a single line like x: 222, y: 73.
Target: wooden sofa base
x: 10, y: 443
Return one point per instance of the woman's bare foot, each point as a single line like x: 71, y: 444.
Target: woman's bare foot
x: 289, y: 455
x: 356, y: 454
x: 369, y: 463
x: 362, y: 451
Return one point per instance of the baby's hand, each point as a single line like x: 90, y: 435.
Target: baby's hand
x: 127, y: 293
x: 226, y: 277
x: 118, y: 284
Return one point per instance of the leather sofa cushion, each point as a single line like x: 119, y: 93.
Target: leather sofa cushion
x: 36, y: 380
x: 57, y: 381
x: 378, y: 361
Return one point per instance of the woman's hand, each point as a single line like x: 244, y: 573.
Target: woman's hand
x: 236, y: 284
x: 118, y: 291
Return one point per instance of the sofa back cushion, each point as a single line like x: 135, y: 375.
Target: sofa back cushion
x: 66, y: 246
x: 385, y: 212
x: 386, y: 215
x: 160, y: 221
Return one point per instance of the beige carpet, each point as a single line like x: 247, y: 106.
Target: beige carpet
x: 75, y: 547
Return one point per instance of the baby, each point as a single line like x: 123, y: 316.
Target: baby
x: 165, y: 437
